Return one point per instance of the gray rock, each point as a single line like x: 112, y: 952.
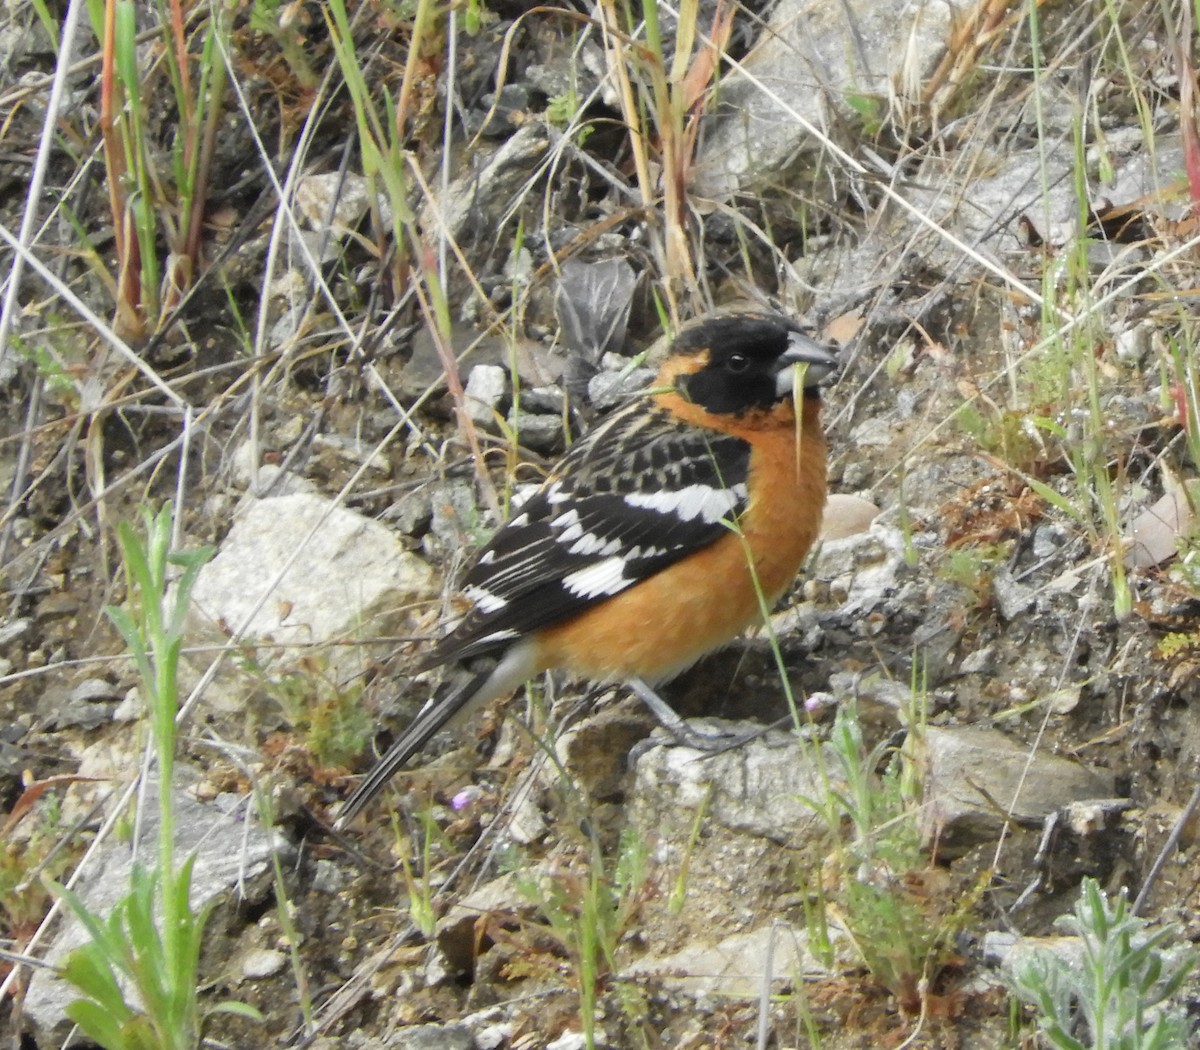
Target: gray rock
x: 87, y: 704
x: 411, y: 513
x: 478, y: 197
x: 756, y: 788
x: 813, y: 55
x: 1012, y: 598
x: 455, y: 522
x: 540, y: 433
x: 979, y: 661
x: 547, y: 400
x: 607, y: 389
x: 1048, y: 540
x: 508, y: 109
x: 14, y: 630
x: 592, y: 303
x: 425, y: 1037
x: 973, y: 777
x: 328, y: 877
x: 95, y: 690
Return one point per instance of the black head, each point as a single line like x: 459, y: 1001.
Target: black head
x: 740, y: 362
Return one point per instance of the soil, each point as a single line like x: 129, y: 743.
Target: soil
x: 1004, y: 611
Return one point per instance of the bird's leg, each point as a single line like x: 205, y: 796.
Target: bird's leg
x: 683, y: 733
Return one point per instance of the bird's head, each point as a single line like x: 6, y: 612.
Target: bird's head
x: 734, y: 364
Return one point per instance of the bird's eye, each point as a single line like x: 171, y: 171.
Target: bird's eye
x: 737, y: 363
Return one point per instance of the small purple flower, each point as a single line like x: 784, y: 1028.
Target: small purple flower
x: 465, y: 797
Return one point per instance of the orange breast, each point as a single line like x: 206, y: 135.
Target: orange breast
x: 664, y: 624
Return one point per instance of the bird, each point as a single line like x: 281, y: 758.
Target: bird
x: 673, y: 525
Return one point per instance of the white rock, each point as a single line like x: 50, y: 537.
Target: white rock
x: 262, y: 962
x: 1154, y: 535
x: 862, y: 568
x: 485, y: 390
x: 736, y: 966
x: 301, y: 570
x: 14, y: 630
x: 846, y: 515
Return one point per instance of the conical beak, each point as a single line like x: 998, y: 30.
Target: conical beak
x: 820, y: 363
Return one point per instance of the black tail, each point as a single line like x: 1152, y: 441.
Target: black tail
x: 432, y: 718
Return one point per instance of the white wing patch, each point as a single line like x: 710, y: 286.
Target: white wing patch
x: 569, y: 524
x: 693, y: 501
x: 605, y: 577
x: 485, y: 601
x: 591, y: 545
x: 645, y: 552
x: 586, y: 544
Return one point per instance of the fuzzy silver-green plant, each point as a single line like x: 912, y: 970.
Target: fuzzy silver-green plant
x: 1117, y: 997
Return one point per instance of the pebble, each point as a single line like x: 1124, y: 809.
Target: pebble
x: 538, y: 433
x: 14, y: 630
x: 262, y: 962
x: 485, y: 390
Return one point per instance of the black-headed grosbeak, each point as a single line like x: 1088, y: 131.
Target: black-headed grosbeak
x: 657, y: 537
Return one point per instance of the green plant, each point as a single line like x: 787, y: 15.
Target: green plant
x: 563, y: 110
x: 152, y: 937
x: 1011, y: 436
x: 147, y: 199
x: 662, y: 100
x: 285, y: 910
x: 1117, y: 995
x: 870, y: 110
x: 878, y: 884
x: 330, y: 714
x: 1185, y: 392
x: 421, y: 907
x: 588, y: 911
x: 277, y: 19
x: 393, y: 174
x: 24, y: 899
x: 971, y: 566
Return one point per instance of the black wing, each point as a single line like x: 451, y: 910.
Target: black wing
x: 641, y: 491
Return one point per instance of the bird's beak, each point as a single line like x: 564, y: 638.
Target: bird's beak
x: 819, y: 364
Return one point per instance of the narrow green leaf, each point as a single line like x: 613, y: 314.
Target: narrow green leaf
x: 232, y: 1006
x: 98, y: 1025
x: 88, y: 971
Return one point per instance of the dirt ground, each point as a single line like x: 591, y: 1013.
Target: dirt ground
x: 1009, y: 460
